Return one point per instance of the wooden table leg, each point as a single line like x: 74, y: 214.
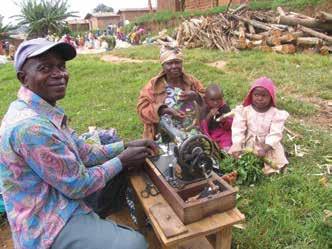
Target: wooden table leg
x: 224, y: 238
x: 141, y: 218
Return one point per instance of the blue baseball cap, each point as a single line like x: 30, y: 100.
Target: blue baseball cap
x: 35, y: 47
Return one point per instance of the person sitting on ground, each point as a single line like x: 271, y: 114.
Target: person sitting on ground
x: 212, y: 123
x: 258, y: 125
x: 172, y: 92
x: 46, y: 171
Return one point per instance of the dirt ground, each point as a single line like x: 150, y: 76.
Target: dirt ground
x: 323, y: 118
x: 117, y: 59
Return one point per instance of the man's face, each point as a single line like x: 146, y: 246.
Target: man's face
x: 173, y: 68
x: 46, y: 75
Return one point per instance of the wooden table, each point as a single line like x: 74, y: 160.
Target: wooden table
x: 217, y: 227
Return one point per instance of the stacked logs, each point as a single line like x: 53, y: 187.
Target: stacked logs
x: 279, y: 31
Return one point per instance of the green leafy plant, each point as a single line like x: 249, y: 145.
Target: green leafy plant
x: 42, y: 17
x: 248, y: 167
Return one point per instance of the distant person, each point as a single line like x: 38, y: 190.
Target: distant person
x: 212, y: 122
x: 258, y: 125
x: 47, y: 172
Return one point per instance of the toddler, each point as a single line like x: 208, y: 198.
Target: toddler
x: 212, y: 122
x: 258, y: 125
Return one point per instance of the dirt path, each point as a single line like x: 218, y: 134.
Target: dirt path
x: 218, y: 64
x: 117, y: 59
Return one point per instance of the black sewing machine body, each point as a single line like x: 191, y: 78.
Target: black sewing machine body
x: 192, y: 154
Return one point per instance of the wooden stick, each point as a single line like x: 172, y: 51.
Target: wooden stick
x: 324, y: 16
x: 301, y: 16
x: 325, y: 50
x: 254, y: 23
x: 309, y: 41
x: 228, y: 5
x: 250, y: 36
x: 294, y: 134
x: 285, y: 49
x: 238, y: 9
x: 251, y: 29
x: 316, y: 34
x: 311, y: 23
x: 281, y: 11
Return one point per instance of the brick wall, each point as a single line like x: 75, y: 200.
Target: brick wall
x: 172, y: 5
x: 206, y: 4
x: 101, y: 23
x: 199, y: 4
x: 131, y: 15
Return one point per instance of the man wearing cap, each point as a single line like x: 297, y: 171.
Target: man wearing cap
x: 46, y: 170
x: 166, y: 93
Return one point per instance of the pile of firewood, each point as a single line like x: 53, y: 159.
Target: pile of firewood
x: 280, y: 31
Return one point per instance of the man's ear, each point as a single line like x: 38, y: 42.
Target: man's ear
x: 21, y: 77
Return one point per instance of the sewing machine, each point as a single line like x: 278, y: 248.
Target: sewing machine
x: 183, y: 173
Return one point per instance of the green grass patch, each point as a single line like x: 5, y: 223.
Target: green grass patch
x: 283, y: 211
x: 294, y: 4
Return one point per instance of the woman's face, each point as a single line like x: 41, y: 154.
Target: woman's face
x: 173, y: 68
x: 261, y: 99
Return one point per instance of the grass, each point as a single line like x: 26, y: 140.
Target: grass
x: 284, y: 211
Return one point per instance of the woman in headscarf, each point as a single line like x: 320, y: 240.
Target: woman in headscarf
x: 172, y: 92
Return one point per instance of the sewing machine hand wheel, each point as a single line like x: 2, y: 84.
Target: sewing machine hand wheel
x: 194, y: 156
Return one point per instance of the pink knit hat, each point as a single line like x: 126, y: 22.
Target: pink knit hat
x: 267, y: 84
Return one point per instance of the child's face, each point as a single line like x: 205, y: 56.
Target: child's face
x: 213, y: 99
x: 261, y: 99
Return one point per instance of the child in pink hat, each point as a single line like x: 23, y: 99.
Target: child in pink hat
x: 258, y: 125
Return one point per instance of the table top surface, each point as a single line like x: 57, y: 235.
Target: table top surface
x: 206, y: 226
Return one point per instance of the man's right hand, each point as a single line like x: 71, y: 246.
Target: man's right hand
x: 133, y: 156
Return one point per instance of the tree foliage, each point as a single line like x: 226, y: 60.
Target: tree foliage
x: 44, y: 16
x: 103, y: 8
x: 5, y: 30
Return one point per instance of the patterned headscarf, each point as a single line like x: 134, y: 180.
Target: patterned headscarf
x: 267, y: 84
x: 170, y: 52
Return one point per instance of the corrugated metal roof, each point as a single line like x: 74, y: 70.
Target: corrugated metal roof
x: 102, y: 14
x: 134, y: 9
x: 77, y: 21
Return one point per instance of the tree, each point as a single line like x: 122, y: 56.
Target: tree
x: 44, y: 16
x: 102, y: 8
x: 5, y: 30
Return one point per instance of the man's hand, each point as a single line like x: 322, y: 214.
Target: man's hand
x: 133, y: 156
x: 150, y: 144
x: 188, y: 95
